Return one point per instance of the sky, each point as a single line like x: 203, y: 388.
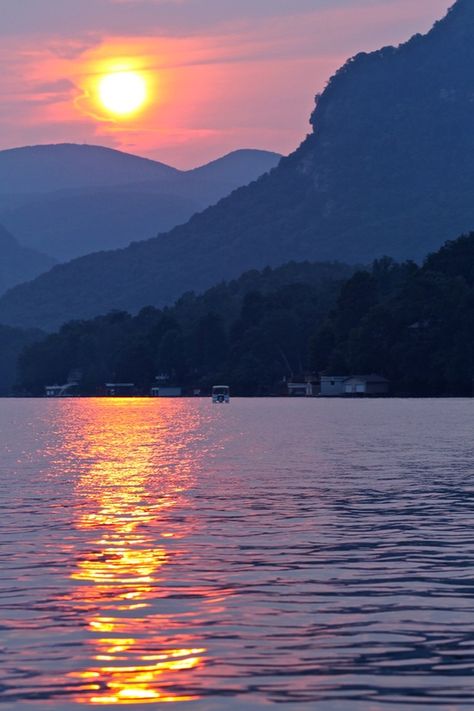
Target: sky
x: 219, y: 74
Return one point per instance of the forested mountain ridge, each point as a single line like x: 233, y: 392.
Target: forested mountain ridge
x: 388, y: 169
x: 68, y: 200
x: 31, y: 170
x: 258, y: 326
x: 414, y: 325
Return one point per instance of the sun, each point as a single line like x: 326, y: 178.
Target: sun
x: 123, y: 93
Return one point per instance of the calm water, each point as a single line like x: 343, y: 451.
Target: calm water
x: 305, y: 554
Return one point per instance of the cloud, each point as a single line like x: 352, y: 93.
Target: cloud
x: 55, y: 87
x: 226, y: 73
x: 73, y: 48
x: 176, y: 17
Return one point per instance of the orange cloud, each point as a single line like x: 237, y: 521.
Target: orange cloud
x: 243, y: 84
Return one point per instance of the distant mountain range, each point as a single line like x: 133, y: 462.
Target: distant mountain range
x: 17, y: 263
x: 68, y: 200
x: 388, y: 169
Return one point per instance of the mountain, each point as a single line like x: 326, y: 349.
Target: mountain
x: 388, y: 169
x: 75, y: 223
x: 17, y: 263
x: 236, y: 168
x: 44, y: 169
x: 68, y: 200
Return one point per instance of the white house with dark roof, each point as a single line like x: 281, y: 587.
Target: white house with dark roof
x: 345, y: 385
x: 333, y: 385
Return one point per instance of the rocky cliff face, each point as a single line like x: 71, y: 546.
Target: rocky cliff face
x: 391, y: 157
x: 387, y: 170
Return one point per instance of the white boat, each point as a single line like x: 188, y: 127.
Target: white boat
x: 220, y: 394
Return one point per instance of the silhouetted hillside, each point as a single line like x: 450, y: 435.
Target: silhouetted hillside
x: 12, y: 343
x: 236, y: 167
x: 414, y: 325
x: 17, y: 263
x: 45, y: 169
x: 254, y: 330
x: 79, y: 222
x: 68, y: 200
x: 388, y: 169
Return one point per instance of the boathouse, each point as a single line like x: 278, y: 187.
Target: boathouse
x: 366, y: 385
x: 67, y: 390
x: 166, y: 391
x: 120, y: 389
x: 307, y: 389
x: 333, y: 385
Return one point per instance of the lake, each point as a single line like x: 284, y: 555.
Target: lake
x: 301, y: 554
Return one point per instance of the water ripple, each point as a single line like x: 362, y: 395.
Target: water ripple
x: 311, y: 554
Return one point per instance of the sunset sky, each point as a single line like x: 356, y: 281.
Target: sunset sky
x: 219, y: 74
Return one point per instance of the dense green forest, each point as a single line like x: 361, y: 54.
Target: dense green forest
x: 413, y: 324
x: 252, y: 332
x: 12, y: 342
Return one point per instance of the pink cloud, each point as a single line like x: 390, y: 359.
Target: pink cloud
x: 250, y: 84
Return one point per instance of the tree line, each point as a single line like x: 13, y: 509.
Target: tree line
x: 412, y: 324
x: 252, y: 333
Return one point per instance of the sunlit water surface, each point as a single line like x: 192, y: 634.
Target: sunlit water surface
x: 306, y: 554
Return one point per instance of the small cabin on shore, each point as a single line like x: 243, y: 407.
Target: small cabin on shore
x: 66, y: 390
x: 354, y: 385
x: 120, y: 389
x: 333, y: 385
x: 54, y: 390
x: 166, y: 391
x: 366, y: 385
x: 307, y: 389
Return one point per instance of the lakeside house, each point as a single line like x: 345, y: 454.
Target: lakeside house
x: 54, y: 390
x: 372, y: 385
x: 366, y: 385
x: 70, y: 387
x: 66, y: 390
x: 303, y: 389
x: 333, y: 385
x: 166, y: 391
x: 120, y: 389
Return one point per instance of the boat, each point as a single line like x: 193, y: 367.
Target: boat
x: 220, y: 394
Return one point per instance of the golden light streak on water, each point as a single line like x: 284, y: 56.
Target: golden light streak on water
x: 322, y: 553
x: 121, y: 572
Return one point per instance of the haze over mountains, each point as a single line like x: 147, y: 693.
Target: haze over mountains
x: 68, y: 200
x: 19, y: 263
x: 388, y: 169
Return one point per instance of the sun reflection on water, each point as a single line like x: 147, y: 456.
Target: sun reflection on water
x: 119, y: 575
